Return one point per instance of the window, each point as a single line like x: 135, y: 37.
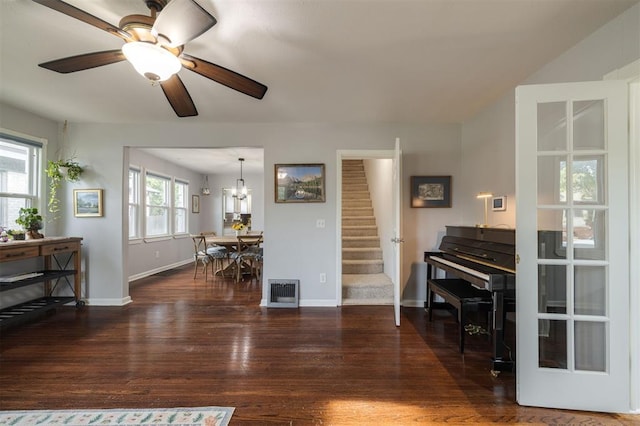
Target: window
x: 134, y: 203
x: 163, y: 211
x: 180, y: 205
x: 20, y: 171
x: 157, y: 205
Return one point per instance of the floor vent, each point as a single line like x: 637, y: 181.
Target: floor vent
x: 283, y: 293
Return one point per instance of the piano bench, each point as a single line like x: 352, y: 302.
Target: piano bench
x: 460, y: 294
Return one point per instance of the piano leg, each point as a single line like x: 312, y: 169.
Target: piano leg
x: 501, y: 360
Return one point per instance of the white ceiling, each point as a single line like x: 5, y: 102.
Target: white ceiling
x: 215, y: 161
x: 401, y: 61
x: 383, y: 61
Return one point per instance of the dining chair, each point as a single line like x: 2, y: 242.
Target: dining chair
x: 218, y: 255
x: 247, y: 254
x: 200, y: 255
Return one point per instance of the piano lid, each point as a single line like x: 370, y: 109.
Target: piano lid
x: 490, y: 247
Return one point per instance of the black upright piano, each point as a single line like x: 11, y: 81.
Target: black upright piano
x: 485, y: 259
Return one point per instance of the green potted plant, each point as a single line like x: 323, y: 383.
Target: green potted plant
x: 58, y: 170
x: 31, y: 221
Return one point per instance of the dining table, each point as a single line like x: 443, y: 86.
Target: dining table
x: 230, y: 242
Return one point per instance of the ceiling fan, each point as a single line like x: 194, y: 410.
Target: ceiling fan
x: 154, y: 46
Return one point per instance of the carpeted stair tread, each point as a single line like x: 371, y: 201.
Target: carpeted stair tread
x: 367, y: 289
x: 359, y: 241
x: 361, y: 253
x: 358, y: 220
x: 374, y: 266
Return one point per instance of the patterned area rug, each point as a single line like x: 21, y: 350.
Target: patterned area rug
x: 191, y: 416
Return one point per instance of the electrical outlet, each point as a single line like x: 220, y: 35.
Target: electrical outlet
x: 323, y: 277
x: 320, y: 223
x: 157, y: 255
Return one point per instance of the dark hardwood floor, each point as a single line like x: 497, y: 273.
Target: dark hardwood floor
x: 185, y: 342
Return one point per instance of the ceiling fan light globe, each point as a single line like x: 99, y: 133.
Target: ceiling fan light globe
x: 151, y: 61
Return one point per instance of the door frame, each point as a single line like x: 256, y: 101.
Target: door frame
x: 631, y: 73
x: 350, y: 154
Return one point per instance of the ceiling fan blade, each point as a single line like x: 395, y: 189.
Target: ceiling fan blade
x: 181, y: 21
x: 85, y: 17
x: 178, y: 97
x: 224, y: 76
x: 84, y: 62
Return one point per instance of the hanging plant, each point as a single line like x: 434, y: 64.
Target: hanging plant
x: 58, y: 170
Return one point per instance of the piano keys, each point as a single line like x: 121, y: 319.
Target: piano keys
x: 485, y: 258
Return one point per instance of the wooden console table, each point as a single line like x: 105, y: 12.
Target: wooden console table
x: 57, y: 269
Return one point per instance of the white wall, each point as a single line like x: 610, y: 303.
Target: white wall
x: 294, y: 247
x: 379, y: 179
x: 488, y: 139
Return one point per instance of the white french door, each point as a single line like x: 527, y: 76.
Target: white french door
x: 572, y: 242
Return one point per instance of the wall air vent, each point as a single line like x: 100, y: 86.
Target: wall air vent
x: 283, y: 293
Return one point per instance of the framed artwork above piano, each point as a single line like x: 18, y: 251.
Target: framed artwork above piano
x: 430, y: 191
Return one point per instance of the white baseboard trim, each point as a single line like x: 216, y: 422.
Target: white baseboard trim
x: 324, y: 303
x: 158, y: 270
x: 413, y: 303
x: 109, y: 302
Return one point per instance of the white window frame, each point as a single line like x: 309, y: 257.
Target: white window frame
x: 37, y: 153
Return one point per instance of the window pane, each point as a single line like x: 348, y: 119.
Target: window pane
x: 180, y: 195
x: 552, y: 289
x: 157, y: 221
x: 587, y: 179
x: 134, y: 186
x: 180, y: 221
x: 552, y: 182
x: 133, y: 221
x: 590, y: 290
x: 134, y: 203
x: 589, y: 234
x: 552, y: 126
x: 552, y: 234
x: 591, y: 343
x: 588, y: 124
x: 157, y: 189
x: 19, y: 167
x: 14, y: 168
x: 552, y: 343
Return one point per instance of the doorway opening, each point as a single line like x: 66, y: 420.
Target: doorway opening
x: 365, y: 258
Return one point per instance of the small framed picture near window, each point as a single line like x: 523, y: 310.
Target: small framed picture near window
x: 195, y: 204
x: 499, y: 204
x: 87, y: 202
x: 299, y: 183
x: 430, y: 191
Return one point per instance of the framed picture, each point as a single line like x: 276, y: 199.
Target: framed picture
x: 195, y: 204
x: 430, y: 191
x: 87, y: 202
x: 299, y: 183
x: 499, y: 204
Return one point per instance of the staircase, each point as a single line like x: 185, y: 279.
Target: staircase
x: 363, y: 278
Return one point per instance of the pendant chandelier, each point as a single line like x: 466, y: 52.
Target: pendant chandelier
x: 240, y: 191
x: 205, y: 186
